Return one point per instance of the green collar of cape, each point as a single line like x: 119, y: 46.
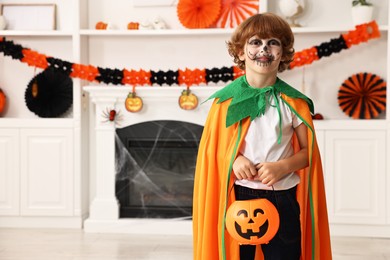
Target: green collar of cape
x: 251, y: 102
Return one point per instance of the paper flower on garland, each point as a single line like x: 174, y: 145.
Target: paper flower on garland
x: 234, y: 12
x: 164, y: 77
x: 363, y: 96
x: 333, y: 46
x: 192, y: 77
x: 362, y: 33
x: 304, y: 57
x: 219, y: 74
x: 107, y: 75
x: 60, y: 65
x: 34, y: 59
x: 49, y: 94
x: 85, y: 72
x: 194, y: 14
x: 11, y: 49
x: 134, y: 78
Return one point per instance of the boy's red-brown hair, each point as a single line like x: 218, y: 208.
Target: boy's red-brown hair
x: 265, y: 26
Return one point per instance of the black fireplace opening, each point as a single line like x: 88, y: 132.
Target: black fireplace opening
x: 155, y: 166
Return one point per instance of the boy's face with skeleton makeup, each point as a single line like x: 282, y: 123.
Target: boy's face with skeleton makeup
x: 262, y: 55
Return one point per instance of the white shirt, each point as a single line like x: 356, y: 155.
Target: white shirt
x: 261, y: 143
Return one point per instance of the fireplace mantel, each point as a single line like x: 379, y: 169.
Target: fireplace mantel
x: 160, y: 103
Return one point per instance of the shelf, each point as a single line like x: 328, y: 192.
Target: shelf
x: 35, y: 33
x: 339, y: 29
x: 167, y: 32
x: 199, y: 32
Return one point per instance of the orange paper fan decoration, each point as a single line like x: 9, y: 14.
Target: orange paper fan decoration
x: 363, y: 96
x: 234, y: 12
x: 195, y: 14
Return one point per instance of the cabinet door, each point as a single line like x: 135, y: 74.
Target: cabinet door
x: 46, y: 172
x: 320, y: 135
x: 9, y: 172
x: 356, y: 171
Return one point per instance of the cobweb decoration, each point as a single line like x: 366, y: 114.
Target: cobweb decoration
x: 234, y: 12
x: 155, y: 165
x: 129, y: 171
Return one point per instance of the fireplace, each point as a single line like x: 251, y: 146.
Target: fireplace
x: 155, y: 165
x: 160, y: 107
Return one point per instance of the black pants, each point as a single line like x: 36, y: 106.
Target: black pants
x: 286, y: 245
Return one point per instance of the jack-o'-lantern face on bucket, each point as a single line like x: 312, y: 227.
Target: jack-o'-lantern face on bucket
x: 252, y: 221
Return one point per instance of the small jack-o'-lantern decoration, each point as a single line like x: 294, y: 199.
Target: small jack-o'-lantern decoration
x: 101, y: 26
x: 252, y: 221
x: 317, y: 116
x: 187, y: 100
x: 133, y: 103
x: 3, y: 100
x: 133, y: 26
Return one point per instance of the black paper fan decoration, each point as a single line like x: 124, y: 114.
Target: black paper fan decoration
x: 363, y: 96
x: 49, y: 94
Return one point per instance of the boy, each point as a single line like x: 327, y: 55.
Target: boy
x: 259, y: 142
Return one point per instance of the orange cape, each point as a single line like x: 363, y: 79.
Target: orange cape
x: 213, y: 188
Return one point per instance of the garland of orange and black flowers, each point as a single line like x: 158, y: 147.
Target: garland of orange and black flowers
x: 361, y: 33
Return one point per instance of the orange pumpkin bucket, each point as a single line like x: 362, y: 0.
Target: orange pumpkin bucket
x: 252, y: 222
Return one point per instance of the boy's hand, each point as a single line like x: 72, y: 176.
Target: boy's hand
x: 269, y: 173
x: 243, y: 168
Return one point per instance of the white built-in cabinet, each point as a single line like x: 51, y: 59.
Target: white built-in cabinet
x: 37, y: 177
x: 44, y: 169
x: 46, y: 164
x: 9, y: 172
x: 355, y: 162
x: 363, y: 175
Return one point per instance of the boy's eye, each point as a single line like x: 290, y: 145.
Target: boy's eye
x: 274, y: 42
x: 255, y: 42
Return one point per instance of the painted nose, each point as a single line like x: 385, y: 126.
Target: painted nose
x: 265, y: 48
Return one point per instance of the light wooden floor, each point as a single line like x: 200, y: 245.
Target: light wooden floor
x: 55, y: 244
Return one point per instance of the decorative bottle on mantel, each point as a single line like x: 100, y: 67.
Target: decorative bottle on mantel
x: 3, y: 23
